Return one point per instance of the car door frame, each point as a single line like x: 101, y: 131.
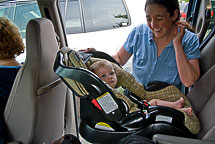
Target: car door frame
x: 198, y: 15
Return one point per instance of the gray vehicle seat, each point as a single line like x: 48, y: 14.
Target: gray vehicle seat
x: 202, y: 98
x: 207, y: 59
x: 35, y: 110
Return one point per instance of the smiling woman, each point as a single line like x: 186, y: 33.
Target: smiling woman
x: 159, y: 44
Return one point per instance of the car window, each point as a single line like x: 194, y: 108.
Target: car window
x: 20, y: 12
x: 71, y: 14
x: 101, y: 24
x: 80, y: 16
x: 192, y: 18
x: 212, y: 19
x: 183, y: 5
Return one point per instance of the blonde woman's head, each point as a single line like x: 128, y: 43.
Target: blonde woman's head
x: 11, y: 43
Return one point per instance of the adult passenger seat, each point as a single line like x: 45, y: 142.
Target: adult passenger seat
x: 202, y: 97
x: 35, y: 110
x: 207, y: 53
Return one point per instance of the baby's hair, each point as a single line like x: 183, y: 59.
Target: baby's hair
x: 99, y: 64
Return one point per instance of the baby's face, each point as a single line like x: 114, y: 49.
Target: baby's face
x: 108, y: 75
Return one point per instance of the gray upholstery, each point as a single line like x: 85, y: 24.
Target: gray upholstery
x: 207, y: 59
x: 167, y: 139
x: 35, y: 109
x: 202, y: 97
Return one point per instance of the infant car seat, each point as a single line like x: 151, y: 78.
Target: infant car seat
x: 106, y: 118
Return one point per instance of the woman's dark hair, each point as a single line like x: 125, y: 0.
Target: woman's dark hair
x: 170, y: 5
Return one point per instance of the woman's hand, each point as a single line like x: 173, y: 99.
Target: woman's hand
x: 188, y: 69
x: 178, y: 35
x: 88, y: 50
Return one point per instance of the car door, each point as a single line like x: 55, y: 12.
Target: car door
x: 201, y: 16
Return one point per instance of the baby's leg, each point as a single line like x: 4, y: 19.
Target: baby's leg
x: 188, y: 110
x: 177, y: 104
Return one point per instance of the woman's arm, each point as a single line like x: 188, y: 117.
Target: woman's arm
x: 188, y: 69
x: 122, y: 56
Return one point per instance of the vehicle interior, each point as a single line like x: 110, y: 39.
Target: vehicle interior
x: 43, y: 107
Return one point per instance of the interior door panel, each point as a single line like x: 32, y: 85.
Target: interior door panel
x: 203, y: 18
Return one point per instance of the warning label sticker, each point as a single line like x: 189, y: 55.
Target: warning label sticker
x: 107, y: 103
x: 163, y: 118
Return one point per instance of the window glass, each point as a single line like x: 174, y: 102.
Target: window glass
x: 93, y: 15
x: 212, y: 19
x: 20, y: 12
x: 104, y: 14
x: 183, y: 9
x: 101, y: 24
x: 70, y: 12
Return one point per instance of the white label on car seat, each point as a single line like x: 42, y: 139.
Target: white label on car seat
x: 107, y: 103
x: 104, y: 126
x: 163, y: 118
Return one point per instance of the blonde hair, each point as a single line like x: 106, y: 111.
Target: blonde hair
x: 11, y: 43
x: 99, y: 64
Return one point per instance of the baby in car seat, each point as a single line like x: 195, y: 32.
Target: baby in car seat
x: 105, y: 71
x: 168, y: 93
